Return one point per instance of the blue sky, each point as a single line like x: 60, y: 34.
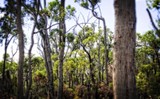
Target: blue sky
x: 143, y: 21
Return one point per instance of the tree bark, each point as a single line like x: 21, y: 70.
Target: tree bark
x: 21, y: 51
x: 62, y: 27
x: 47, y: 57
x: 124, y: 84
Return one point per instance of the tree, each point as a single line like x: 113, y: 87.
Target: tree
x: 42, y: 26
x: 62, y: 28
x: 106, y: 61
x: 21, y: 49
x: 33, y: 10
x: 147, y: 56
x: 124, y: 84
x: 148, y: 72
x: 7, y: 29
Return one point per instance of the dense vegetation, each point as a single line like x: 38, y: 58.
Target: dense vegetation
x: 73, y: 62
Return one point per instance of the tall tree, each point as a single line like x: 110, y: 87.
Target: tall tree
x: 7, y: 29
x: 93, y: 3
x: 124, y: 84
x: 62, y: 27
x: 33, y: 9
x: 47, y: 53
x: 21, y: 50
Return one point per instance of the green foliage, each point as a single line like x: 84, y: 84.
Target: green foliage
x: 10, y: 66
x: 54, y: 8
x: 76, y: 66
x: 46, y: 12
x: 70, y: 37
x: 7, y: 23
x: 39, y: 87
x: 70, y: 11
x: 87, y: 36
x: 53, y: 5
x: 88, y: 3
x: 153, y: 4
x: 147, y: 65
x: 84, y: 4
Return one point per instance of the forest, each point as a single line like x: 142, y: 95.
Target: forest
x: 80, y: 60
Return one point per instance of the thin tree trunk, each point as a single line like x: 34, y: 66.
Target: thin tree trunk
x: 102, y: 69
x: 5, y: 58
x: 30, y: 63
x: 5, y: 55
x: 105, y: 40
x: 90, y: 64
x: 21, y: 51
x: 27, y: 94
x: 82, y: 79
x: 72, y: 80
x: 47, y: 56
x: 99, y: 63
x: 62, y: 27
x: 48, y: 64
x: 124, y: 84
x: 69, y: 79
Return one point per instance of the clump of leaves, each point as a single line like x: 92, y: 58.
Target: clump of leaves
x: 70, y: 37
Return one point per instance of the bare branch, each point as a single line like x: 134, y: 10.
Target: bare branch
x: 153, y: 24
x: 46, y: 28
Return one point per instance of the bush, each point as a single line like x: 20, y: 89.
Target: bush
x: 68, y: 93
x: 80, y: 92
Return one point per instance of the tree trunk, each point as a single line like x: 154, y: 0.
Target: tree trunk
x: 124, y: 84
x: 48, y: 64
x: 82, y: 79
x: 21, y: 51
x: 62, y: 28
x: 47, y: 56
x: 5, y: 58
x: 105, y: 41
x: 69, y: 79
x: 102, y: 70
x: 72, y: 80
x: 99, y: 63
x: 27, y: 95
